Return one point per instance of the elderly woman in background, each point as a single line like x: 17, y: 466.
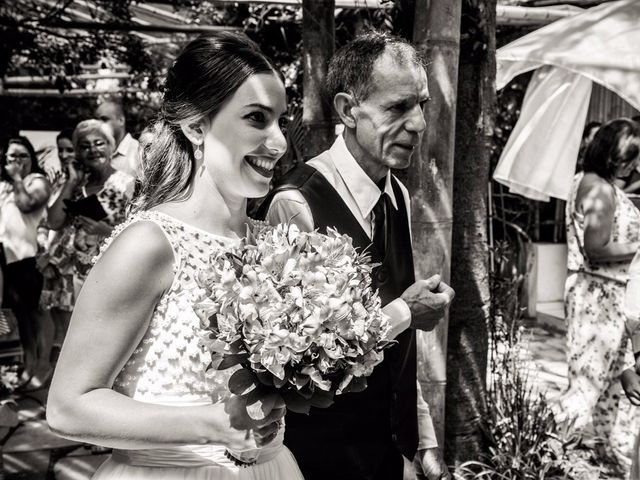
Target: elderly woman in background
x: 24, y: 191
x: 603, y: 233
x: 91, y: 202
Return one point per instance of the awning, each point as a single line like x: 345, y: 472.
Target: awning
x: 600, y: 45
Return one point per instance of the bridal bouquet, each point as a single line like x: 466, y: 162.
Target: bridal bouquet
x: 297, y: 311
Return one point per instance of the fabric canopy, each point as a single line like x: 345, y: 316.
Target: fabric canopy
x: 539, y: 158
x: 601, y: 44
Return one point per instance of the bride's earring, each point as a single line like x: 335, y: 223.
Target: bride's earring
x: 198, y: 153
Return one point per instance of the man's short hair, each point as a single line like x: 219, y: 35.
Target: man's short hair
x: 116, y: 103
x: 351, y: 67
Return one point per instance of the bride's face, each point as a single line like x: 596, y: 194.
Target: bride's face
x: 244, y: 140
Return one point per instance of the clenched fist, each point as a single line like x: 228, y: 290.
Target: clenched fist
x: 428, y: 300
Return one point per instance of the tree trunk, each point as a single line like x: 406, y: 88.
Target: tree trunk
x: 318, y: 34
x: 436, y: 33
x: 468, y: 341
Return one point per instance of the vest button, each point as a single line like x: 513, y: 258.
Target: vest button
x: 382, y: 275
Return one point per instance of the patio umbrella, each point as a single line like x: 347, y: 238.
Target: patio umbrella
x: 598, y: 45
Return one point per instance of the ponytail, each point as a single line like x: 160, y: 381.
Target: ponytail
x: 166, y: 166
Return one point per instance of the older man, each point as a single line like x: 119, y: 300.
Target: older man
x: 378, y: 87
x: 126, y: 156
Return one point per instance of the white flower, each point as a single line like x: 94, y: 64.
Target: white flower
x: 299, y: 305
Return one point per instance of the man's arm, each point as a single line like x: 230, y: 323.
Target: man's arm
x: 426, y: 432
x: 429, y: 462
x: 289, y: 206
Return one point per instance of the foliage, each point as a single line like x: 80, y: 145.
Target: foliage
x: 9, y: 378
x: 520, y: 430
x: 34, y: 46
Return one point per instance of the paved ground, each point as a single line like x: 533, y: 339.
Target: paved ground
x: 33, y: 452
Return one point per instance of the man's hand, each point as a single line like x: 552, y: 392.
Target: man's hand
x: 428, y: 300
x: 631, y: 386
x: 430, y: 465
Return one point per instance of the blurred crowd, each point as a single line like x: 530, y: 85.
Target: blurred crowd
x: 52, y: 222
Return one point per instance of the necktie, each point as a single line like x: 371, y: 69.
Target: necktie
x: 379, y: 225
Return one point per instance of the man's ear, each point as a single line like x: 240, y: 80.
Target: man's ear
x: 194, y: 131
x: 345, y: 105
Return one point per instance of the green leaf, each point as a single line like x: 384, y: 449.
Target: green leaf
x: 279, y: 383
x: 237, y: 346
x: 357, y: 384
x: 266, y: 378
x: 321, y: 399
x: 242, y: 382
x: 228, y: 361
x: 295, y: 402
x: 259, y: 406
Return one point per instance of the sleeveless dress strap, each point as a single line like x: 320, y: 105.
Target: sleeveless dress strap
x: 167, y: 228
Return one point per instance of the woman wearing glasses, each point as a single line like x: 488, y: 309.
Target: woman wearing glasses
x: 24, y: 191
x: 92, y: 201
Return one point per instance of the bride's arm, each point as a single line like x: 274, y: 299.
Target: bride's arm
x: 110, y: 317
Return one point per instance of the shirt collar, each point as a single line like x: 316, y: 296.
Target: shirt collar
x: 125, y: 145
x: 364, y: 190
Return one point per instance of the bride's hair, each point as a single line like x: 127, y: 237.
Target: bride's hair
x: 203, y: 77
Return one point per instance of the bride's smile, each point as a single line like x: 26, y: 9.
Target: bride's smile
x: 264, y: 166
x: 244, y: 140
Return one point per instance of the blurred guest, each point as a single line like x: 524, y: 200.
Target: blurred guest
x: 57, y: 268
x: 603, y: 233
x: 92, y: 201
x: 126, y: 157
x: 632, y: 182
x: 66, y: 153
x: 630, y: 378
x: 588, y: 133
x: 24, y: 191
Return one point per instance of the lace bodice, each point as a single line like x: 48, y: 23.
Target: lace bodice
x: 169, y: 364
x: 625, y: 229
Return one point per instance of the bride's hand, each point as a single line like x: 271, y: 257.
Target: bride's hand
x: 267, y: 432
x: 246, y: 433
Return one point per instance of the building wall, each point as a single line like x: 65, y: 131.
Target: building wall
x: 606, y: 105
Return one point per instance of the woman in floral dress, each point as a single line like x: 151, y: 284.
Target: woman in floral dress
x: 603, y: 234
x: 132, y: 374
x: 79, y: 236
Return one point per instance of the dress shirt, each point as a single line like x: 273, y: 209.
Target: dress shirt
x: 360, y: 194
x: 126, y: 158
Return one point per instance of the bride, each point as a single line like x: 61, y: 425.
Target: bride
x: 131, y: 375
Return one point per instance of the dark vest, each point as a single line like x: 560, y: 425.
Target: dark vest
x: 362, y: 429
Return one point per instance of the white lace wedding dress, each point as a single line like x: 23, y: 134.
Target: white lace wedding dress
x: 168, y: 367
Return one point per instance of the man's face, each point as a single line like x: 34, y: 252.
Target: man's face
x: 390, y: 121
x: 109, y: 114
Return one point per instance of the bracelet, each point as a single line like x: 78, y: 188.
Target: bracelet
x: 236, y: 461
